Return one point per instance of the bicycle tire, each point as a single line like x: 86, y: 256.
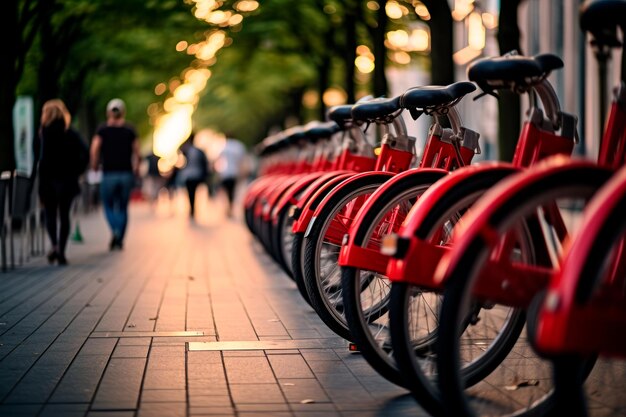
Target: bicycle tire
x: 283, y: 240
x: 329, y: 304
x: 593, y: 251
x: 503, y: 213
x: 297, y: 248
x: 371, y: 334
x: 416, y: 362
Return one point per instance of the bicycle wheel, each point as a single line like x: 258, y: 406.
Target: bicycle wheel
x: 491, y: 280
x: 322, y: 276
x: 283, y: 239
x: 591, y: 287
x: 414, y: 311
x: 297, y: 247
x: 364, y: 289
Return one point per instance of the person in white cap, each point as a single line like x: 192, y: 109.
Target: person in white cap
x: 115, y: 148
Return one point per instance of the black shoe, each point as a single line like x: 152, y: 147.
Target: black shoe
x: 116, y: 243
x: 62, y: 260
x: 52, y: 256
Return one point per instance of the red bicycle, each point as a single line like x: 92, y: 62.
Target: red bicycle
x: 425, y: 235
x: 510, y: 247
x: 332, y: 218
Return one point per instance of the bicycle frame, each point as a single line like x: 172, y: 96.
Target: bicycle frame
x: 572, y: 320
x: 392, y: 162
x: 439, y: 158
x: 417, y: 261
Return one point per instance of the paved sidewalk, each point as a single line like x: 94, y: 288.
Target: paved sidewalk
x: 190, y: 319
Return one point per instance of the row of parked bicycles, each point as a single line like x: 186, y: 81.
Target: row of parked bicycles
x: 488, y: 288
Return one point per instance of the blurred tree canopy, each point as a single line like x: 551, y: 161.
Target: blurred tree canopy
x: 87, y: 52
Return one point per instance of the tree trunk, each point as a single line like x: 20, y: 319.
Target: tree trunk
x: 48, y: 74
x: 441, y: 42
x: 8, y: 57
x: 322, y: 84
x: 509, y: 107
x: 350, y: 52
x: 380, y: 52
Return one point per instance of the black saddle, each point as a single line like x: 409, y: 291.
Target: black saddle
x: 341, y: 115
x: 601, y: 18
x: 322, y: 130
x: 375, y: 110
x: 512, y: 71
x: 433, y: 96
x: 270, y: 144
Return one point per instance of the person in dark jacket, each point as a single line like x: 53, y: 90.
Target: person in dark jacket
x: 63, y: 159
x: 195, y: 171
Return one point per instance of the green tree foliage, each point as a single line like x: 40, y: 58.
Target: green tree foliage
x: 87, y: 52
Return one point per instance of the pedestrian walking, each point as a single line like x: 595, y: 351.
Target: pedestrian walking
x: 115, y: 149
x: 229, y: 165
x: 153, y: 180
x: 63, y: 159
x: 194, y: 172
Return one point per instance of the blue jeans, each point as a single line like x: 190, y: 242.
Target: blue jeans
x: 115, y: 191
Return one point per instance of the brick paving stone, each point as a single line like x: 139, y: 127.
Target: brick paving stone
x: 64, y: 410
x: 263, y: 407
x: 120, y: 384
x: 289, y: 366
x: 19, y: 410
x: 330, y: 413
x: 248, y: 370
x: 210, y: 401
x: 79, y: 383
x: 162, y: 410
x: 164, y: 379
x: 256, y: 393
x: 163, y: 395
x: 298, y: 390
x: 111, y: 414
x: 211, y: 411
x: 131, y: 351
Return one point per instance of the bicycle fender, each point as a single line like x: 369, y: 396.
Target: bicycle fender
x: 353, y: 254
x: 288, y: 198
x: 417, y: 261
x: 477, y: 223
x: 328, y: 199
x: 312, y: 197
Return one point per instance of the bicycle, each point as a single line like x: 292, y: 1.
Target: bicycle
x: 425, y: 235
x: 352, y: 154
x: 509, y: 248
x: 363, y: 279
x: 334, y: 215
x: 581, y: 316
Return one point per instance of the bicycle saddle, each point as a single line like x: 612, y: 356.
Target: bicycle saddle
x: 434, y: 95
x: 322, y: 130
x: 270, y: 144
x: 601, y: 18
x: 341, y: 114
x: 512, y: 71
x: 375, y: 109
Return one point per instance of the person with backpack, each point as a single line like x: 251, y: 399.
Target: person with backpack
x: 194, y: 172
